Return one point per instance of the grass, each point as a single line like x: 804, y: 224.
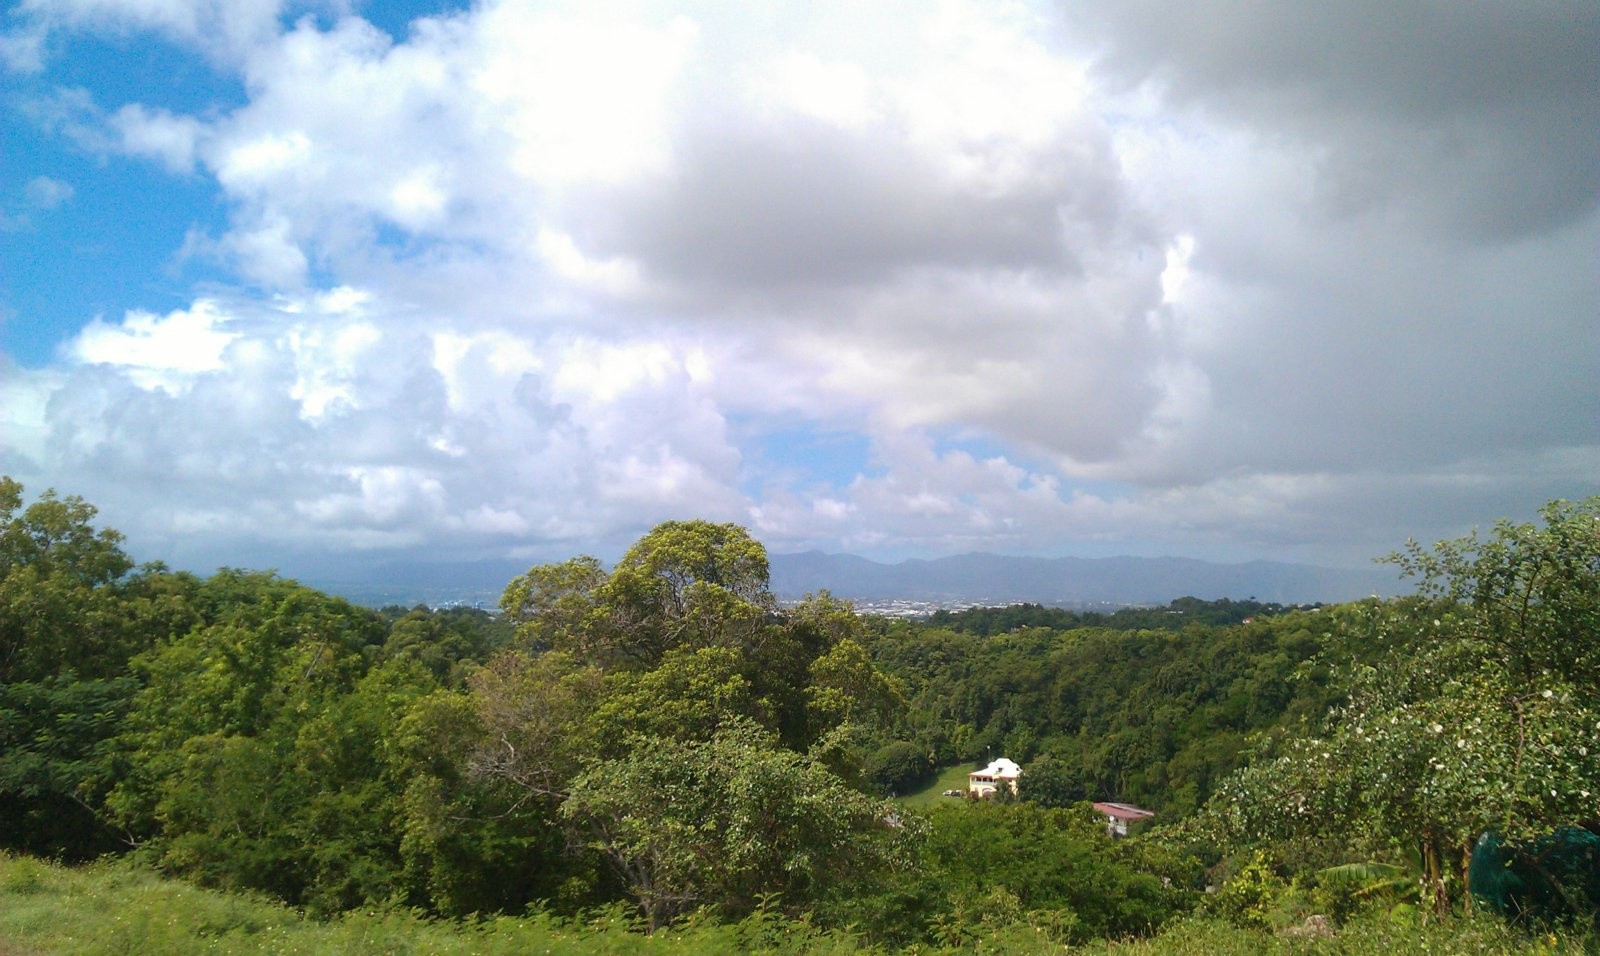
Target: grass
x: 119, y: 908
x: 950, y: 778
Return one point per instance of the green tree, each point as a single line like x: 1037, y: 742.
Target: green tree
x: 56, y: 572
x: 556, y: 606
x: 207, y: 759
x: 685, y: 584
x: 992, y: 863
x: 55, y: 745
x: 1050, y: 782
x: 691, y: 693
x: 534, y: 718
x: 897, y: 767
x: 846, y: 687
x: 72, y: 612
x: 470, y: 842
x: 1473, y: 707
x: 446, y: 641
x: 727, y: 821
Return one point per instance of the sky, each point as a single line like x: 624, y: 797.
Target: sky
x: 312, y: 284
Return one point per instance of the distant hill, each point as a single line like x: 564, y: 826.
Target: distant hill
x: 962, y: 579
x: 409, y: 583
x: 997, y: 579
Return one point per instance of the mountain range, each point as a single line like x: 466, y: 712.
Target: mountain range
x: 960, y: 579
x: 1000, y: 579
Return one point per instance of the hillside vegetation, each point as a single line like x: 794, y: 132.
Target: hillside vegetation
x: 116, y: 908
x: 661, y: 754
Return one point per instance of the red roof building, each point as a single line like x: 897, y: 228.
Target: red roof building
x: 1120, y: 815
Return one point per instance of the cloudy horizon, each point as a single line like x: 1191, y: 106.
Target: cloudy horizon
x: 294, y: 284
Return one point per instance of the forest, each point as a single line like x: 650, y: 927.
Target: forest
x: 662, y: 751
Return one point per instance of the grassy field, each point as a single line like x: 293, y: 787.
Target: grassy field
x: 120, y: 908
x: 950, y: 778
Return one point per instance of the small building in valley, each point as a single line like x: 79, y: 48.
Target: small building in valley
x: 1000, y: 773
x: 1120, y: 815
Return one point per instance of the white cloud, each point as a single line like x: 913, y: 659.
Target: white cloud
x: 45, y: 193
x: 1176, y: 274
x: 22, y: 51
x: 268, y: 252
x: 169, y: 139
x: 162, y: 352
x: 613, y: 278
x: 326, y: 360
x: 225, y: 29
x: 546, y: 271
x: 254, y: 165
x: 581, y: 98
x: 835, y: 92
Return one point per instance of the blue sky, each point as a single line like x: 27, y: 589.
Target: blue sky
x: 378, y: 281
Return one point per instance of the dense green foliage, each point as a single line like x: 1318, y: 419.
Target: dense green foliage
x: 1473, y: 707
x: 664, y: 743
x: 987, y: 621
x: 1153, y: 717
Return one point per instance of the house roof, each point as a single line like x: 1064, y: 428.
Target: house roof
x: 1000, y: 767
x: 1124, y: 811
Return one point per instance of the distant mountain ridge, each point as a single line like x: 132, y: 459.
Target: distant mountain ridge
x: 966, y: 578
x: 996, y: 579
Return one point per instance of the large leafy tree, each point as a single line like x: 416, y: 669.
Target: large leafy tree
x: 687, y: 634
x: 725, y: 821
x: 57, y: 607
x: 1472, y: 707
x: 685, y: 584
x: 668, y: 708
x: 252, y: 756
x: 1052, y: 867
x: 73, y: 609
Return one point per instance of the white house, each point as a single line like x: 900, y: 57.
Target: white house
x: 1000, y: 773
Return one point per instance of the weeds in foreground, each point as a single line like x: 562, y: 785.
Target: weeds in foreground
x: 120, y: 908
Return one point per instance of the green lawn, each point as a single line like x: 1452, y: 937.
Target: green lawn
x: 950, y: 778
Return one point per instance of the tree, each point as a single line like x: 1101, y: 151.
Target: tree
x: 897, y: 767
x: 688, y: 583
x: 267, y: 658
x: 533, y: 712
x: 71, y: 615
x: 686, y: 631
x: 1052, y: 783
x: 726, y: 821
x: 685, y: 584
x: 556, y: 606
x: 1530, y: 594
x: 56, y: 602
x: 1473, y: 707
x: 847, y: 687
x: 699, y: 713
x: 445, y: 641
x: 474, y: 843
x: 1053, y: 868
x: 691, y: 693
x: 54, y: 745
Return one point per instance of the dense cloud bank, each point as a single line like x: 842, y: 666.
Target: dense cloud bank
x: 1222, y: 280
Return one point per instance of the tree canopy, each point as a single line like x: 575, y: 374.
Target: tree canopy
x: 666, y: 736
x: 1472, y: 708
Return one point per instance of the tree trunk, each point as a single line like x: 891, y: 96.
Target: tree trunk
x: 1433, y: 875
